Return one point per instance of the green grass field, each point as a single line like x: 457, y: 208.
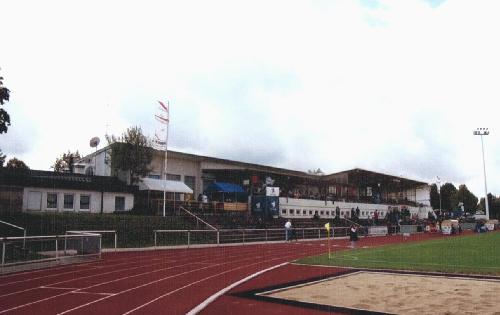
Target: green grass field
x: 474, y: 254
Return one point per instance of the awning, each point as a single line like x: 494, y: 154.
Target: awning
x: 162, y: 184
x: 225, y: 187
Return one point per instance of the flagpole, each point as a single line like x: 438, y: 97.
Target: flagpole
x: 165, y: 161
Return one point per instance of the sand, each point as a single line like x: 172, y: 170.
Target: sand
x: 401, y: 293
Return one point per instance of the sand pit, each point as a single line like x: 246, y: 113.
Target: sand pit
x: 399, y: 293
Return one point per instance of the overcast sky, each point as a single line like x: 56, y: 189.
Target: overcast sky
x: 395, y: 86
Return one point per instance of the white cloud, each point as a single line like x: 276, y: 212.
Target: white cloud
x: 396, y: 87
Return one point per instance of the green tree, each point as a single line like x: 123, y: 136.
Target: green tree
x: 4, y: 116
x: 494, y: 205
x: 434, y: 195
x: 316, y: 172
x: 66, y: 162
x: 131, y: 153
x: 468, y: 198
x: 449, y: 198
x: 16, y: 164
x: 2, y: 158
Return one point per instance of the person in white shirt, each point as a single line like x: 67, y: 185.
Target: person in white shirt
x: 288, y: 230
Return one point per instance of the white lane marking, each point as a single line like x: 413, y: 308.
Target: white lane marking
x: 215, y: 296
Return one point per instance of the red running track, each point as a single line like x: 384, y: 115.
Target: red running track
x: 154, y: 282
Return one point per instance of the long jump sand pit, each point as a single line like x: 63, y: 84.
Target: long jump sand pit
x: 398, y: 293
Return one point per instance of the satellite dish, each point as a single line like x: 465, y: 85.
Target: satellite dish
x: 94, y: 142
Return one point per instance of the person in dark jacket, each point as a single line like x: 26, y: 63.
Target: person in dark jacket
x: 353, y: 236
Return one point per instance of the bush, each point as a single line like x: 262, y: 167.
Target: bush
x: 132, y: 230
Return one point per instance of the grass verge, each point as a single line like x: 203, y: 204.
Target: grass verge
x: 474, y: 254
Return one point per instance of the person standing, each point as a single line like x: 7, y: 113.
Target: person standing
x: 288, y: 230
x: 353, y: 236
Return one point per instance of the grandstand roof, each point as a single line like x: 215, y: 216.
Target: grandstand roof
x: 358, y: 176
x: 354, y: 176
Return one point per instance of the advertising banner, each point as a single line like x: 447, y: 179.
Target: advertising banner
x: 273, y: 191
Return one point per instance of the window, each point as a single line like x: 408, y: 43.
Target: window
x: 304, y: 212
x: 119, y: 203
x: 190, y: 181
x: 322, y: 212
x: 51, y: 201
x: 310, y: 212
x: 84, y: 202
x: 34, y: 200
x: 332, y: 190
x: 154, y: 176
x: 283, y: 211
x: 69, y: 201
x: 328, y: 213
x: 174, y: 177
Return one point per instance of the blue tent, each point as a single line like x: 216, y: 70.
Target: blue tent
x: 224, y: 188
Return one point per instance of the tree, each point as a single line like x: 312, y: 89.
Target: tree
x: 468, y: 198
x: 316, y: 172
x: 434, y: 195
x: 2, y: 158
x: 16, y: 164
x: 4, y: 116
x: 66, y: 162
x: 131, y: 153
x: 494, y: 205
x: 449, y: 199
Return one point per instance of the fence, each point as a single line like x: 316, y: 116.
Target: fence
x: 105, y: 241
x: 242, y: 236
x: 19, y: 253
x: 15, y: 226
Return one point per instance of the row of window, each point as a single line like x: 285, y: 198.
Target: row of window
x: 328, y: 212
x: 69, y: 202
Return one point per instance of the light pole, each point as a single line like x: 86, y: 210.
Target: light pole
x: 439, y: 188
x: 484, y: 132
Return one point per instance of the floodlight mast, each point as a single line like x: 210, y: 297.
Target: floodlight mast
x: 484, y: 132
x: 439, y: 183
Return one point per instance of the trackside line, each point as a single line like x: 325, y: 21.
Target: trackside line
x: 215, y: 296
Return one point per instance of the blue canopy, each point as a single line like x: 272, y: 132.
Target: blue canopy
x: 225, y: 188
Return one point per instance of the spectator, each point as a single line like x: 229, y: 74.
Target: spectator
x: 357, y: 212
x: 353, y: 236
x: 288, y: 229
x: 200, y: 200
x: 375, y: 216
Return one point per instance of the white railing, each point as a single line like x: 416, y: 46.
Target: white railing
x: 98, y: 232
x: 16, y: 227
x: 38, y: 249
x: 242, y: 236
x: 197, y: 218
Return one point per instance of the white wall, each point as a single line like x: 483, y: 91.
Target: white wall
x: 424, y: 195
x: 345, y: 207
x: 95, y: 200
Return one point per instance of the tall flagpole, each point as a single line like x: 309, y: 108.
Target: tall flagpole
x: 163, y: 118
x: 165, y: 162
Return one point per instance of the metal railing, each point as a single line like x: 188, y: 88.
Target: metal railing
x: 197, y: 218
x: 98, y: 232
x: 242, y: 236
x: 39, y: 249
x: 16, y: 227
